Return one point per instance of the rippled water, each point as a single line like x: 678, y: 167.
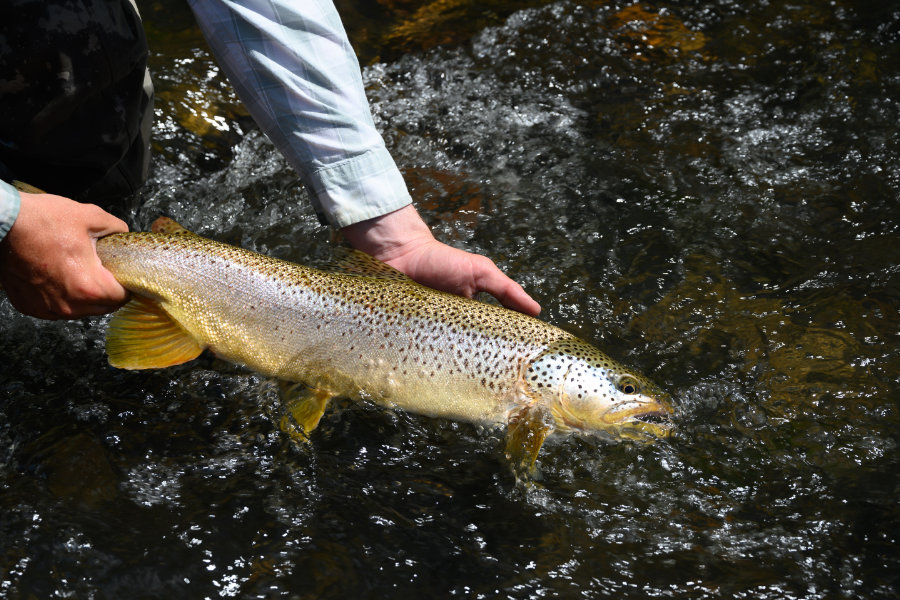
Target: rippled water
x: 708, y: 190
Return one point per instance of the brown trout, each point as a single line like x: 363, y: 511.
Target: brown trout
x: 367, y: 331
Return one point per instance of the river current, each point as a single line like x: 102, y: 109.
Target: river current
x: 707, y: 190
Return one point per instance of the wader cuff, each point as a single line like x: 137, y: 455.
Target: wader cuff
x: 9, y: 207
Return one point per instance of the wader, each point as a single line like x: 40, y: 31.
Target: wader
x: 75, y: 97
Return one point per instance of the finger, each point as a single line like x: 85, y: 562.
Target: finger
x: 109, y: 291
x: 27, y: 301
x: 102, y: 223
x: 492, y: 280
x: 88, y: 292
x: 518, y: 299
x: 53, y: 309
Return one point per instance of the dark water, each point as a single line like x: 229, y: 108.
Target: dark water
x: 708, y: 190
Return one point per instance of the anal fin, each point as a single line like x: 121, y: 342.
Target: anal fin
x: 528, y: 427
x: 142, y: 335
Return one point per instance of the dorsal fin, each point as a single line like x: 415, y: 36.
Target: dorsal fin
x: 28, y: 189
x: 167, y: 225
x: 356, y: 262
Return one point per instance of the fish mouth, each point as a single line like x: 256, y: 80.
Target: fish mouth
x: 655, y: 423
x: 638, y: 420
x: 658, y: 417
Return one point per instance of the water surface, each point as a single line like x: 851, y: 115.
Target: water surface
x: 708, y: 190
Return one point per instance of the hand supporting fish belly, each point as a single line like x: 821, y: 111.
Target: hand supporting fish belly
x: 367, y: 330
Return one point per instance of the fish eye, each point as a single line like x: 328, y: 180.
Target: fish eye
x: 628, y: 385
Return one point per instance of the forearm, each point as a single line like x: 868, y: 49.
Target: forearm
x: 293, y: 67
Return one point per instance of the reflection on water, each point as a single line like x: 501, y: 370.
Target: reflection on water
x: 706, y: 189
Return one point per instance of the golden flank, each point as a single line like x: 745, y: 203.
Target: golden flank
x: 367, y: 330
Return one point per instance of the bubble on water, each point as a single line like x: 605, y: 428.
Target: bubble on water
x: 152, y: 483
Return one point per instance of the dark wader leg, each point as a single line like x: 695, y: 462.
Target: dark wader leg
x: 75, y: 98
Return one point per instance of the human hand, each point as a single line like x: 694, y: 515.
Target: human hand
x: 49, y: 266
x: 403, y: 240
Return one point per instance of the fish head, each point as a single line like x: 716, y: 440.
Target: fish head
x: 587, y: 391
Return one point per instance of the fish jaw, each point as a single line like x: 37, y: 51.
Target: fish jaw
x: 642, y: 417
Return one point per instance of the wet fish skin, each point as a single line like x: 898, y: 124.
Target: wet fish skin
x: 367, y: 331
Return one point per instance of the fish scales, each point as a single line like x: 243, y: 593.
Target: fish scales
x: 368, y: 331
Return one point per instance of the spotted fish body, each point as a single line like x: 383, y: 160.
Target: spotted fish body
x: 367, y: 331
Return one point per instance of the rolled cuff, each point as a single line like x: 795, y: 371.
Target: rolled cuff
x: 358, y: 188
x: 10, y: 201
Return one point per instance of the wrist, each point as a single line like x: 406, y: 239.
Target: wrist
x: 390, y: 235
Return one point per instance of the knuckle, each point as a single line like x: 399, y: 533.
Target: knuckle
x: 484, y: 263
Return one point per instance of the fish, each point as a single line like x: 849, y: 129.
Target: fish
x: 364, y: 330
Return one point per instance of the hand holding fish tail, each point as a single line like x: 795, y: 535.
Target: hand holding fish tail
x: 403, y: 240
x: 49, y: 266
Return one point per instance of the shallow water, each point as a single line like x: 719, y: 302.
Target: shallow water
x: 707, y: 190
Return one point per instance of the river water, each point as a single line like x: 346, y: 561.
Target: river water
x: 706, y: 189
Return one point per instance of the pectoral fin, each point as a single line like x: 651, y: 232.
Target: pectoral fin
x: 529, y: 426
x: 304, y: 407
x: 142, y: 335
